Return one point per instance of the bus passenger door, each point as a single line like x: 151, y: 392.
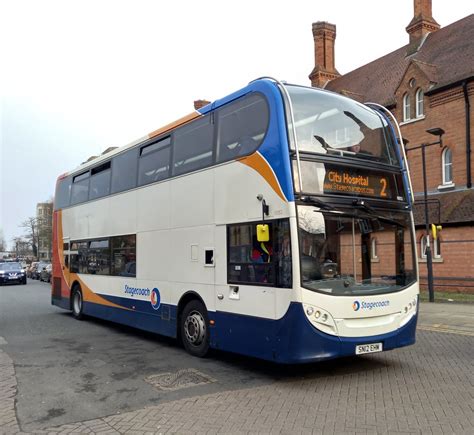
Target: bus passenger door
x: 245, y: 302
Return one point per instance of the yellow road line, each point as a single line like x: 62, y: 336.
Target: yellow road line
x: 436, y: 328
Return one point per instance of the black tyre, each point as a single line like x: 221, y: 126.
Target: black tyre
x: 77, y: 303
x: 194, y: 328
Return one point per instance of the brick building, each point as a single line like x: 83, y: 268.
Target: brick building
x: 44, y: 228
x: 428, y: 83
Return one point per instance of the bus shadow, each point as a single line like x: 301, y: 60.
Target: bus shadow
x: 343, y: 366
x: 250, y: 368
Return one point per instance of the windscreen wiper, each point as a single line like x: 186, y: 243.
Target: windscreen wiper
x: 368, y: 208
x: 315, y: 201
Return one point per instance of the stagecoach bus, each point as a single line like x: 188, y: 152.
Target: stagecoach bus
x: 275, y: 222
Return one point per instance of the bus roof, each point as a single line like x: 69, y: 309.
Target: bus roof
x: 252, y: 86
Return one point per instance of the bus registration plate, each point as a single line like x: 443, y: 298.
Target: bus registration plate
x: 368, y: 348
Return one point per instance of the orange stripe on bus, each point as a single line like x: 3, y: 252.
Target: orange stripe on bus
x: 174, y: 124
x: 87, y: 294
x: 257, y: 162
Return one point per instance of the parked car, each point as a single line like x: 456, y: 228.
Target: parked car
x: 12, y: 273
x: 35, y: 273
x: 45, y: 273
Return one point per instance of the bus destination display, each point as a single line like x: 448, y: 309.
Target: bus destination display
x: 359, y: 182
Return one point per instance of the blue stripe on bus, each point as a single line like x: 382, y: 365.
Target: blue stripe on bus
x: 275, y: 148
x: 137, y: 319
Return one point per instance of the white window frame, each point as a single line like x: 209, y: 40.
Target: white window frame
x: 406, y: 107
x: 435, y: 246
x: 420, y: 108
x: 444, y: 163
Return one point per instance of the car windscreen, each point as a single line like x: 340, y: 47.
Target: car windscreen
x: 10, y: 266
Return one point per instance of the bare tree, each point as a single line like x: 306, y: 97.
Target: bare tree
x: 3, y: 245
x: 31, y: 233
x: 21, y: 247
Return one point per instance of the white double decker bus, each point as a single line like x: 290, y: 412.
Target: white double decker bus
x: 275, y: 222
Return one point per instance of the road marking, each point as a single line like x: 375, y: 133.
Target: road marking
x: 436, y: 328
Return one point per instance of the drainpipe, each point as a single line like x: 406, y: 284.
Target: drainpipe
x: 468, y: 134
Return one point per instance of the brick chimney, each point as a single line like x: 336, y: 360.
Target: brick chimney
x: 423, y: 22
x: 324, y: 35
x: 200, y: 103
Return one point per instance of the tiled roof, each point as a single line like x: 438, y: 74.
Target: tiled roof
x: 446, y: 55
x: 446, y: 208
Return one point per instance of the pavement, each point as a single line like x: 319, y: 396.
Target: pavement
x: 447, y: 317
x: 426, y: 388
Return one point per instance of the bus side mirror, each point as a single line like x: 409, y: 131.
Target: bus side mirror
x: 263, y: 233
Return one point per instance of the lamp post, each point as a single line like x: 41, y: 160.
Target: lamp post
x: 429, y: 259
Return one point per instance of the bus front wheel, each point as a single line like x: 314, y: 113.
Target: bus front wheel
x: 77, y: 303
x: 195, y: 328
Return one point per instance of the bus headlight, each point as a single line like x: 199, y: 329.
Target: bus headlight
x: 408, y: 311
x: 320, y: 318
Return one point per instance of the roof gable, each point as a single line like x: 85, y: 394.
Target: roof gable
x: 446, y: 56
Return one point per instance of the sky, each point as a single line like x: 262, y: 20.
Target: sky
x: 80, y: 76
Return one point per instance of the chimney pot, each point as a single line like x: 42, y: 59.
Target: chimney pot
x: 198, y: 104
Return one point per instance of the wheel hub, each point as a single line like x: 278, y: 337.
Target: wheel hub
x: 195, y: 328
x: 77, y: 302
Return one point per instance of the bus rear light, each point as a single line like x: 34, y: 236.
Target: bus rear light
x: 309, y: 311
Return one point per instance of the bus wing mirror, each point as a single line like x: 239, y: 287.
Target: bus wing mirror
x: 263, y: 233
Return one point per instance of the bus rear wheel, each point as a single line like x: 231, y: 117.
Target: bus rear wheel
x: 195, y: 328
x: 77, y: 303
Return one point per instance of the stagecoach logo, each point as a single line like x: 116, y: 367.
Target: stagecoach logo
x: 356, y: 305
x: 155, y: 298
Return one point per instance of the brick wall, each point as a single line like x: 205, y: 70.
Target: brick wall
x: 445, y: 110
x: 454, y: 271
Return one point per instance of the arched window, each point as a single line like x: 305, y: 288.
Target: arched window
x: 423, y: 247
x: 437, y: 248
x: 447, y: 166
x: 420, y: 111
x: 406, y: 107
x: 373, y: 249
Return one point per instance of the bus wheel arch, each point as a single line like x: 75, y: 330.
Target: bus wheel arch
x: 77, y: 301
x: 193, y: 324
